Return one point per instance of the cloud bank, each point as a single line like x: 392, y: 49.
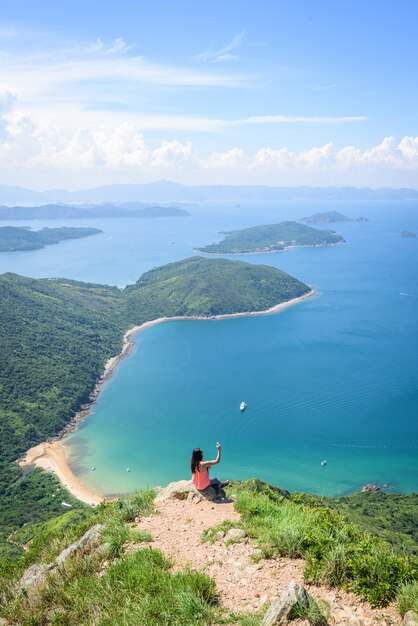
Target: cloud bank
x: 29, y: 143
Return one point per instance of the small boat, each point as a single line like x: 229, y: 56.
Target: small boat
x: 323, y: 462
x: 93, y: 469
x: 242, y: 406
x: 128, y: 469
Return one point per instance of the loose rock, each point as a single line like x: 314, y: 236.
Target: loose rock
x: 410, y: 619
x: 281, y: 609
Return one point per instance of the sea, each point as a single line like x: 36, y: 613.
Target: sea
x: 332, y: 378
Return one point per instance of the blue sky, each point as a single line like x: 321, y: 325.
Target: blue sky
x: 273, y: 92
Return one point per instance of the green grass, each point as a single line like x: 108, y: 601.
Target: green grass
x: 210, y: 535
x: 407, y: 598
x: 392, y: 516
x: 317, y: 613
x: 139, y: 588
x: 112, y: 580
x: 336, y: 552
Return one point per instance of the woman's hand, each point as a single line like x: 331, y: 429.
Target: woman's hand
x: 218, y: 445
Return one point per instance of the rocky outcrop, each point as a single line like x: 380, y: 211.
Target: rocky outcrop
x: 370, y: 488
x: 180, y: 490
x: 281, y: 610
x: 36, y: 573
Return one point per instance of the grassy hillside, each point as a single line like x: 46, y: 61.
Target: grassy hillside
x: 271, y: 238
x: 13, y: 238
x: 338, y: 552
x: 119, y: 578
x: 56, y: 336
x: 394, y: 517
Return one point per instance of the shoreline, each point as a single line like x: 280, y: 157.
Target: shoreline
x: 281, y: 250
x: 52, y: 455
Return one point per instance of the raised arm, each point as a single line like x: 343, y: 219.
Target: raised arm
x: 206, y: 464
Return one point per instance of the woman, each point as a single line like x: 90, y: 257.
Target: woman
x: 212, y: 489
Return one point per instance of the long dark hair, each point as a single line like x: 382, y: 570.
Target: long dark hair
x: 197, y: 456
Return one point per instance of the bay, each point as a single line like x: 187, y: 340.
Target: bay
x: 334, y: 377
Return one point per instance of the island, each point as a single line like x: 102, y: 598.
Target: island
x: 65, y: 211
x: 14, y: 238
x: 272, y: 238
x: 329, y: 217
x: 408, y: 233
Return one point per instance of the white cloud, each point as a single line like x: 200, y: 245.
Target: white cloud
x: 173, y: 153
x: 233, y: 158
x: 8, y: 97
x: 32, y: 143
x: 222, y: 54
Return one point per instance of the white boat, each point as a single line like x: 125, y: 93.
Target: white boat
x: 323, y: 462
x: 242, y: 406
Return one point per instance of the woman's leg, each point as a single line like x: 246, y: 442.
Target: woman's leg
x: 217, y: 485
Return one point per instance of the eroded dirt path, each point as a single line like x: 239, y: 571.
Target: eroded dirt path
x: 243, y: 585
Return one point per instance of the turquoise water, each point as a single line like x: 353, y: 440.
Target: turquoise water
x: 334, y: 377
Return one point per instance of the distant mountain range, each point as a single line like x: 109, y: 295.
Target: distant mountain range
x: 167, y: 191
x: 69, y: 211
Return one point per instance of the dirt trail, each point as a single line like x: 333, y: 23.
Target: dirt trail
x: 243, y: 585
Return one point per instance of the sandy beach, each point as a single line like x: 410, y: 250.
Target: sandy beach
x: 53, y: 455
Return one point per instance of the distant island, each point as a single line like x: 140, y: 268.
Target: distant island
x: 408, y: 233
x: 64, y: 211
x: 329, y: 217
x: 272, y: 238
x: 14, y: 238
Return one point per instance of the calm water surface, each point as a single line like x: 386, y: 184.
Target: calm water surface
x: 334, y: 377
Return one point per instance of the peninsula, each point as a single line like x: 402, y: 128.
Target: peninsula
x: 272, y: 238
x: 13, y: 238
x: 58, y: 335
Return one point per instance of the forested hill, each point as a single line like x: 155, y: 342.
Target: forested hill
x: 14, y: 238
x: 272, y: 238
x: 198, y: 286
x: 56, y: 336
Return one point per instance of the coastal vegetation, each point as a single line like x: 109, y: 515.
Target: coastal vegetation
x: 196, y: 287
x: 272, y: 238
x: 14, y: 238
x: 64, y: 211
x: 392, y: 516
x: 56, y: 336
